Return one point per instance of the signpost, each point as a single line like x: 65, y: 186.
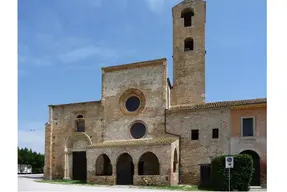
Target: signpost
x: 229, y: 163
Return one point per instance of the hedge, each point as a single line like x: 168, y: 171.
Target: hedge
x: 240, y: 174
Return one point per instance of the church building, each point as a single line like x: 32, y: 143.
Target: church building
x: 148, y: 130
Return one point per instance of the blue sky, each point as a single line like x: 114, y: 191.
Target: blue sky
x: 62, y: 45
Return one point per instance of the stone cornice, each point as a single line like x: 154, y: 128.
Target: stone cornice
x: 149, y: 63
x: 76, y: 103
x: 135, y: 142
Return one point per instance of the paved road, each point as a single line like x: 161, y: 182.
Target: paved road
x: 27, y: 183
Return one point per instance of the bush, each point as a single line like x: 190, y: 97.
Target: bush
x: 240, y: 175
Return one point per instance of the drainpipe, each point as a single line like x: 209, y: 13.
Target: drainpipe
x: 179, y: 146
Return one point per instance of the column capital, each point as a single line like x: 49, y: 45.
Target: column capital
x: 68, y: 151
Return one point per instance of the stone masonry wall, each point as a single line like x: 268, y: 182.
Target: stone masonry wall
x: 189, y: 66
x: 161, y: 151
x: 47, y: 151
x: 196, y: 152
x: 151, y: 81
x: 63, y: 122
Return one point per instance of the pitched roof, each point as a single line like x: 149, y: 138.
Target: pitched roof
x: 221, y: 104
x: 134, y: 142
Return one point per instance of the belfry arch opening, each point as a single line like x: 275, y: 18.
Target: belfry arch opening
x: 148, y: 164
x: 188, y: 44
x: 187, y: 15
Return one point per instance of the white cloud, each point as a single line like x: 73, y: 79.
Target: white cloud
x: 32, y: 139
x: 34, y: 61
x: 67, y: 50
x: 155, y: 6
x: 86, y: 52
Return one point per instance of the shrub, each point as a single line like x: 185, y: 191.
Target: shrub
x: 240, y: 175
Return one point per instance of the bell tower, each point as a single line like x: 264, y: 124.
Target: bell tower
x: 188, y: 52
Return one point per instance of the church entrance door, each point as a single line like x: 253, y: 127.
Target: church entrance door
x: 79, y: 166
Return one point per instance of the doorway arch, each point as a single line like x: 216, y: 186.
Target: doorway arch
x: 255, y: 181
x: 125, y: 170
x: 75, y: 156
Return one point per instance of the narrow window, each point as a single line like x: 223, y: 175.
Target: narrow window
x: 215, y: 133
x: 247, y: 127
x: 187, y: 15
x: 194, y: 134
x: 80, y: 116
x: 80, y: 123
x: 188, y: 44
x: 175, y: 161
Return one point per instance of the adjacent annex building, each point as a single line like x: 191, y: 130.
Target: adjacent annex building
x: 145, y: 130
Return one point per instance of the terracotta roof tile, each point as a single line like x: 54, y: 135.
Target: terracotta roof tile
x: 221, y: 104
x: 135, y: 142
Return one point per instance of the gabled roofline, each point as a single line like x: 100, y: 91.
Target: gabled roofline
x: 87, y: 102
x: 161, y: 61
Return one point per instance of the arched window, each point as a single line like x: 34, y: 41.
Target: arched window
x: 188, y: 44
x: 80, y: 123
x: 148, y: 164
x: 175, y: 161
x: 187, y: 15
x: 80, y: 116
x: 103, y: 165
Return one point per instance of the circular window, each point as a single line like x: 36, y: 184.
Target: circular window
x: 133, y: 103
x: 138, y: 130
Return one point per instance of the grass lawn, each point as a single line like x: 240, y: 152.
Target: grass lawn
x: 65, y: 182
x: 71, y: 182
x: 178, y: 188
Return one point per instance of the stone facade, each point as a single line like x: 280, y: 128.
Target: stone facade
x: 143, y: 127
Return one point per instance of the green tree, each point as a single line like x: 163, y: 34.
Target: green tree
x: 30, y: 157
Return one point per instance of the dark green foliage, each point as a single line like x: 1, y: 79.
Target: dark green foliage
x: 240, y: 175
x: 27, y: 156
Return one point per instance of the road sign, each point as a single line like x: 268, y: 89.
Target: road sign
x: 229, y: 162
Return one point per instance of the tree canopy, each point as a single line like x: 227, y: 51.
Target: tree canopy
x: 29, y: 157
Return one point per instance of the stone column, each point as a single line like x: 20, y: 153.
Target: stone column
x: 114, y: 169
x: 136, y: 169
x: 67, y: 165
